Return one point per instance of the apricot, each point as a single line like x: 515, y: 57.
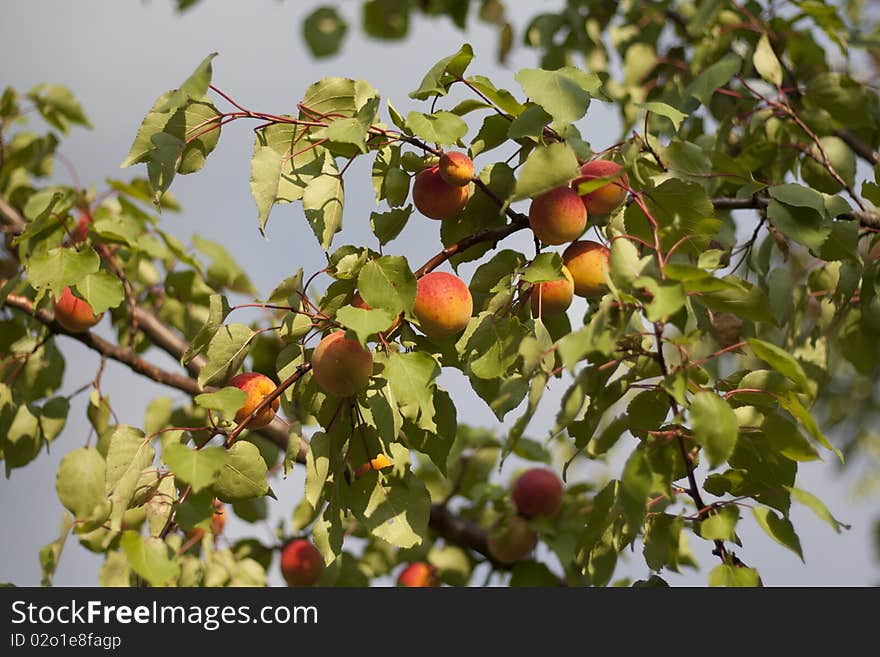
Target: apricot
x: 587, y: 261
x: 417, y: 575
x: 537, y: 492
x: 456, y: 168
x: 435, y: 198
x: 378, y: 463
x: 513, y: 542
x: 73, y: 313
x: 341, y: 366
x: 257, y: 386
x: 443, y: 304
x: 81, y: 231
x: 218, y: 518
x: 604, y: 199
x: 552, y: 297
x: 301, y: 563
x: 557, y: 216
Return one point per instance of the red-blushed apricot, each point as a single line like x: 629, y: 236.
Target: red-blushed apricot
x: 512, y: 542
x: 557, y: 216
x: 257, y: 386
x: 218, y: 518
x: 341, y: 366
x: 301, y: 563
x: 456, y: 168
x: 435, y: 198
x: 81, y: 231
x: 604, y: 199
x: 587, y: 261
x: 73, y: 313
x: 417, y: 575
x: 358, y: 302
x: 443, y: 304
x: 537, y: 492
x: 552, y: 297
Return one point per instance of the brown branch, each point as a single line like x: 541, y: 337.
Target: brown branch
x: 115, y: 352
x: 867, y: 218
x: 486, y: 235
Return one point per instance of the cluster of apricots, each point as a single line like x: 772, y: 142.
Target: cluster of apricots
x: 536, y: 492
x: 443, y: 305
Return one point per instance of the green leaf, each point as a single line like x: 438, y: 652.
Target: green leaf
x: 265, y: 176
x: 721, y: 526
x: 781, y: 361
x: 80, y: 482
x: 714, y: 425
x: 102, y: 290
x: 717, y: 75
x: 218, y: 309
x: 323, y: 200
x: 243, y: 475
x: 779, y: 529
x: 546, y: 168
x: 545, y: 267
x: 796, y: 195
x: 388, y: 283
x: 564, y: 93
x: 128, y: 454
x: 803, y: 225
x: 784, y: 437
x: 674, y: 115
x: 816, y: 506
x: 411, y: 378
x: 532, y: 573
x: 364, y: 323
x: 530, y: 123
x: 225, y: 401
x: 387, y: 225
x: 443, y: 73
x: 51, y: 552
x: 193, y: 88
x: 58, y: 106
x: 317, y: 467
x: 225, y: 353
x: 443, y: 128
x: 766, y: 62
x: 161, y: 139
x: 324, y: 31
x: 494, y: 346
x: 53, y: 417
x: 60, y: 267
x: 395, y: 510
x: 727, y: 575
x: 198, y: 468
x: 151, y: 558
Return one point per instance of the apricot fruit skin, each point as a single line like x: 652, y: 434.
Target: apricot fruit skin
x: 417, y: 575
x: 552, y: 297
x: 516, y: 541
x: 435, y: 198
x: 557, y: 216
x: 538, y: 492
x: 587, y: 262
x: 605, y: 199
x: 256, y: 386
x: 73, y: 313
x: 443, y: 304
x: 301, y: 563
x: 456, y: 169
x: 341, y: 366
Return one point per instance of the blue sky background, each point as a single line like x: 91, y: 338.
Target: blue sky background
x: 118, y: 57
